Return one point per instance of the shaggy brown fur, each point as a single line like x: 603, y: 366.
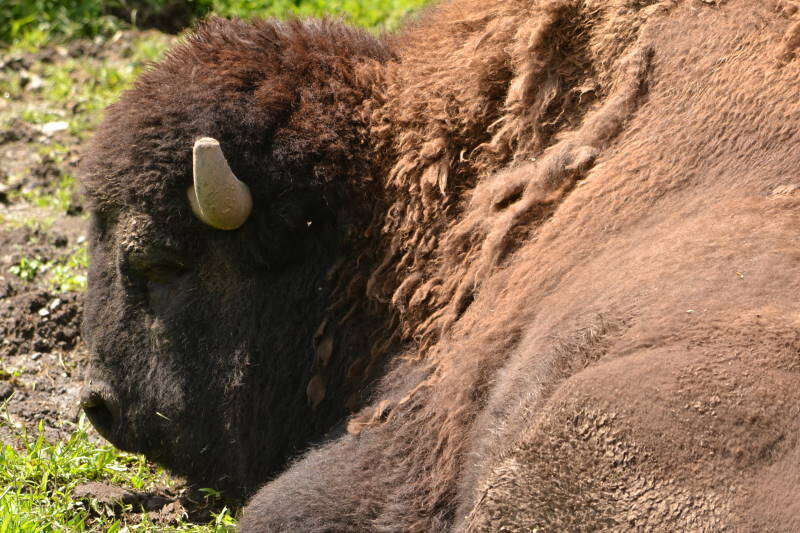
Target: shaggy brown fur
x: 584, y: 230
x: 619, y: 355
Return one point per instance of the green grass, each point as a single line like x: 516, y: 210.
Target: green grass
x: 29, y: 24
x: 59, y: 200
x: 40, y: 116
x: 37, y: 479
x: 67, y: 275
x: 64, y: 275
x: 39, y: 224
x: 70, y: 275
x: 29, y: 268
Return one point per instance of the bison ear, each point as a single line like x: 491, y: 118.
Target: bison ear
x: 217, y: 197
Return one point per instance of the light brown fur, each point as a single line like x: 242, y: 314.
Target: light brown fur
x: 594, y: 246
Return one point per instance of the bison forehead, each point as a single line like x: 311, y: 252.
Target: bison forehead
x: 134, y: 229
x: 238, y: 83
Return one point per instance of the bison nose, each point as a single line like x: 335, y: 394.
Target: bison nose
x: 100, y: 410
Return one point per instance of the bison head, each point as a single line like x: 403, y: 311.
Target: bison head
x: 226, y: 186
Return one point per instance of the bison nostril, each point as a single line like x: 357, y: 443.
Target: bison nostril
x: 99, y: 414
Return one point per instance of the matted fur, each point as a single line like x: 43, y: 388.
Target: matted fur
x: 474, y: 250
x: 582, y: 229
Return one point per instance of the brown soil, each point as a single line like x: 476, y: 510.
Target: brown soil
x: 40, y: 348
x: 164, y: 505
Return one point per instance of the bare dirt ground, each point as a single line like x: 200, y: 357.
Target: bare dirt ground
x: 41, y: 354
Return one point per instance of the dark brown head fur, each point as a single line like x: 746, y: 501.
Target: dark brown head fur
x: 205, y: 340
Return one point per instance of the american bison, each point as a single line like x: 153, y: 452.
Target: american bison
x: 528, y: 265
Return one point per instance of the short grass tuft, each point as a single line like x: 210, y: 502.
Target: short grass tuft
x: 38, y: 478
x: 64, y: 275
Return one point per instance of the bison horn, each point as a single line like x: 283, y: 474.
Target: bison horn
x: 217, y: 197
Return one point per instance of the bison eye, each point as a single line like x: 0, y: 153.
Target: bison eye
x: 159, y: 266
x: 162, y: 273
